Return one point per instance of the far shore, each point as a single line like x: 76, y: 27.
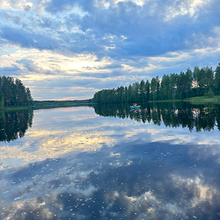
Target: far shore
x: 74, y: 103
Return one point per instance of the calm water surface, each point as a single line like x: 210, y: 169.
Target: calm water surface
x: 74, y: 163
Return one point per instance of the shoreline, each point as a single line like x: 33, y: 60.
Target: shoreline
x: 62, y: 104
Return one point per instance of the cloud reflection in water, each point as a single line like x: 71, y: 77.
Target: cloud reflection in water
x: 118, y: 177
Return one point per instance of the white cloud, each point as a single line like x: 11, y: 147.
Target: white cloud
x: 204, y: 192
x: 50, y: 61
x: 190, y: 7
x: 15, y: 5
x: 81, y: 44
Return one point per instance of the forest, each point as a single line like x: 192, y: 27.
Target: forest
x: 13, y: 93
x: 199, y: 82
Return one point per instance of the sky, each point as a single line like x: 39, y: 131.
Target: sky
x: 70, y: 49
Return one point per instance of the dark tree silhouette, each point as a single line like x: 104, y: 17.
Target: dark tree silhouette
x: 13, y: 93
x: 199, y: 82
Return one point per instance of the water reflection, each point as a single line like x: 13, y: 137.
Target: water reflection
x: 136, y: 181
x: 14, y: 124
x: 172, y: 114
x: 109, y: 168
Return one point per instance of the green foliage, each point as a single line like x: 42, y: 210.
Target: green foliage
x: 2, y: 102
x: 165, y: 87
x: 217, y: 80
x: 14, y: 93
x: 200, y: 82
x: 210, y: 93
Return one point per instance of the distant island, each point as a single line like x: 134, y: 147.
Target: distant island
x: 196, y: 83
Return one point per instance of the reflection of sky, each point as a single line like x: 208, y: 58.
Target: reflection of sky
x: 77, y: 165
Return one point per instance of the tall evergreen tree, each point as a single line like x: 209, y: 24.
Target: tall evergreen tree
x: 189, y: 80
x: 2, y: 102
x: 153, y: 86
x: 165, y: 88
x: 142, y: 91
x: 147, y: 89
x: 217, y: 80
x: 29, y: 97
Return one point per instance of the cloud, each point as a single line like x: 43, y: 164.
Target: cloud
x: 144, y: 184
x: 56, y: 6
x: 122, y: 29
x: 27, y: 40
x: 47, y: 71
x: 148, y: 31
x: 7, y: 70
x: 109, y: 42
x: 15, y: 5
x: 15, y: 19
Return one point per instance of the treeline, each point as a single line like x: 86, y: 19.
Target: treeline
x: 199, y: 82
x: 13, y: 93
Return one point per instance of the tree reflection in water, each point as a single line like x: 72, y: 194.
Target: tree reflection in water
x: 173, y: 114
x: 14, y: 124
x: 127, y: 177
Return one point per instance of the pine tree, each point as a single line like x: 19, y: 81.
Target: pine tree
x: 2, y: 103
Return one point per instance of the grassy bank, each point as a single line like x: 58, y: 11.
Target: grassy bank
x: 194, y: 100
x: 204, y: 99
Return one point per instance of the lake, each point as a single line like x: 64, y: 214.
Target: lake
x: 106, y: 162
